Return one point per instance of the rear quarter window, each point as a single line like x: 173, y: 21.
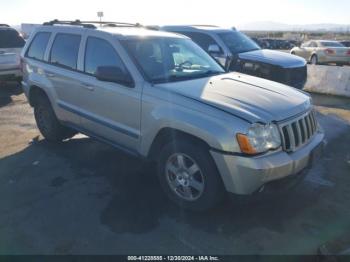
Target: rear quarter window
x: 65, y: 50
x: 38, y: 46
x: 9, y: 38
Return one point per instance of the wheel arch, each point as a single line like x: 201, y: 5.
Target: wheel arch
x: 35, y: 92
x: 313, y: 54
x: 168, y: 134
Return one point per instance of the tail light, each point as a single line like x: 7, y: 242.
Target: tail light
x: 21, y: 65
x: 329, y: 51
x: 348, y: 52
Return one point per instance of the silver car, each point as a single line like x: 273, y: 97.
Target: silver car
x: 159, y: 96
x: 323, y: 52
x: 11, y: 44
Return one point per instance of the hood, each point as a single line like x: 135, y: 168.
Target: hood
x: 274, y: 58
x: 251, y: 98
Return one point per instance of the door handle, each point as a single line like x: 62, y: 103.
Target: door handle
x: 49, y: 74
x: 88, y: 86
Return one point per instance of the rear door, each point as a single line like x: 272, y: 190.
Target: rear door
x: 63, y: 75
x: 11, y: 44
x: 111, y: 111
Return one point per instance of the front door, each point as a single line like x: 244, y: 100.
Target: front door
x: 110, y: 111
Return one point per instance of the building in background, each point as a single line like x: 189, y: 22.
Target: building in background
x: 27, y: 29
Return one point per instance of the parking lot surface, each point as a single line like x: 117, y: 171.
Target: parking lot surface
x: 84, y: 197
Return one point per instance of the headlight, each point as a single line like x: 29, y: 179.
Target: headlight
x: 260, y: 138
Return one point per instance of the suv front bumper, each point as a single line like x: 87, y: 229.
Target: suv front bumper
x: 246, y: 175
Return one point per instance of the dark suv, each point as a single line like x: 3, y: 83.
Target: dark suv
x: 237, y: 52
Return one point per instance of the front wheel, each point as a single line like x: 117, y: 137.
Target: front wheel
x: 189, y: 175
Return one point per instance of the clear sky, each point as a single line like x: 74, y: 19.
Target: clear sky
x: 220, y: 12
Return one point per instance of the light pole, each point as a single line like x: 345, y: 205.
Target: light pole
x: 100, y: 15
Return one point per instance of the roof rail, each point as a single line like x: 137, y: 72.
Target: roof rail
x: 114, y: 24
x: 91, y: 24
x: 76, y: 22
x: 4, y: 25
x: 205, y: 25
x: 153, y: 27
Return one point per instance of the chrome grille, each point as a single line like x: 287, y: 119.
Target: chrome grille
x: 298, y: 132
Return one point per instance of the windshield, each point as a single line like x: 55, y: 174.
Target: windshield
x: 331, y: 44
x: 238, y: 42
x: 171, y: 59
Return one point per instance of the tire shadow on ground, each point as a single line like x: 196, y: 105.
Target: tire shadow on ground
x: 8, y: 89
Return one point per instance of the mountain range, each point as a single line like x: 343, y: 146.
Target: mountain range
x: 275, y: 26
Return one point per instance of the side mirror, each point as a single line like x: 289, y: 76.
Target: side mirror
x: 113, y: 74
x: 214, y: 49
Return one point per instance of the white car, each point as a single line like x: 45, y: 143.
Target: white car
x: 11, y: 44
x: 323, y: 52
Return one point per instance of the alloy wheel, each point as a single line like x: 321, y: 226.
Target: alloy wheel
x: 184, y: 177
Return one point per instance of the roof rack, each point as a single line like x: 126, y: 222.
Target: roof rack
x: 91, y: 24
x: 153, y: 27
x: 205, y: 25
x: 4, y: 25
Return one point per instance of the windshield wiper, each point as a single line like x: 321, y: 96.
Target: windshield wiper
x: 249, y: 50
x: 175, y: 78
x: 212, y: 72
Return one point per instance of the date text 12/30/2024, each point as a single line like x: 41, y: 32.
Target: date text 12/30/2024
x: 173, y: 258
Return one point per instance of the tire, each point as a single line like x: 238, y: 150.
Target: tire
x: 212, y: 190
x: 314, y: 60
x: 293, y: 53
x: 47, y: 122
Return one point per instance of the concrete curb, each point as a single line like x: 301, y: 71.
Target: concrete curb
x: 333, y: 80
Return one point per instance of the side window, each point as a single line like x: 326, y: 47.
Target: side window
x: 313, y: 44
x: 99, y: 52
x: 65, y: 50
x: 38, y: 46
x: 201, y: 39
x: 307, y: 44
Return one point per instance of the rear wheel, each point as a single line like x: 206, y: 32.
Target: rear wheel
x: 314, y: 60
x: 189, y: 175
x: 47, y: 122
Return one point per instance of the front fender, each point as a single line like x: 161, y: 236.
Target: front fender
x: 217, y: 129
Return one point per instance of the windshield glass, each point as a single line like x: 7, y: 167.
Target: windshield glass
x: 171, y: 59
x: 238, y: 42
x: 331, y: 44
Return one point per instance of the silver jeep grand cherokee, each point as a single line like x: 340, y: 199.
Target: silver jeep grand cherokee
x: 159, y: 96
